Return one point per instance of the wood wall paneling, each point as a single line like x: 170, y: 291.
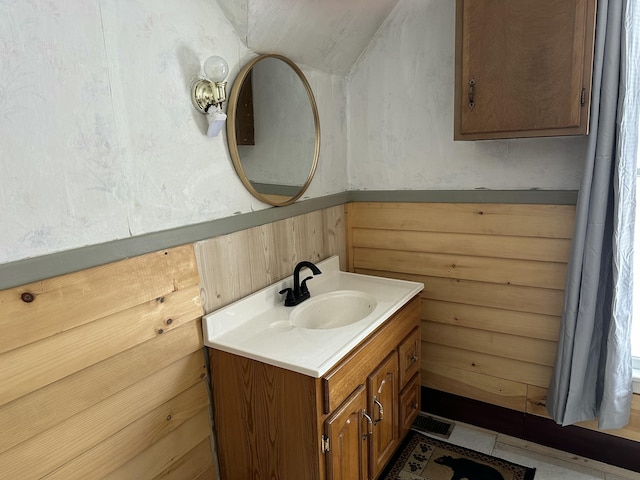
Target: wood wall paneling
x: 494, y: 290
x: 520, y: 220
x: 526, y: 324
x: 235, y: 265
x: 103, y: 373
x: 88, y: 295
x: 494, y: 277
x: 103, y: 370
x: 486, y: 364
x: 489, y: 388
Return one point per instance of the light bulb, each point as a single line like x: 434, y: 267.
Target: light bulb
x: 216, y: 69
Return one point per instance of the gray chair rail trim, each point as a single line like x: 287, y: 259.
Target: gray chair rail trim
x: 38, y: 268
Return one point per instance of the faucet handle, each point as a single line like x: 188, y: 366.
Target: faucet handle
x: 303, y: 286
x: 289, y: 300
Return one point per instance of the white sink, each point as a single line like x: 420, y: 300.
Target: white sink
x: 333, y: 310
x: 315, y: 335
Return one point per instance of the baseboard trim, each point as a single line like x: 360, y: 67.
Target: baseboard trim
x: 602, y: 447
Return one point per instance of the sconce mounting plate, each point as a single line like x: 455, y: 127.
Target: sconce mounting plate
x: 204, y: 94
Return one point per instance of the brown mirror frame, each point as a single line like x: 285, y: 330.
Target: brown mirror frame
x: 274, y: 200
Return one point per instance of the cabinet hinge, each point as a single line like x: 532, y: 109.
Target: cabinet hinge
x: 325, y: 444
x: 582, y: 97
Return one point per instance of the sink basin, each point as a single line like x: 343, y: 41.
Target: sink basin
x: 313, y: 336
x: 333, y: 309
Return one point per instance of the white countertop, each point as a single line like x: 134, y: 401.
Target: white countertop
x: 258, y: 325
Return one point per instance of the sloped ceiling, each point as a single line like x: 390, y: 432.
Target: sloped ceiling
x: 328, y: 35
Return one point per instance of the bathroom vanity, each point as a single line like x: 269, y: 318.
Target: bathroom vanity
x: 297, y: 397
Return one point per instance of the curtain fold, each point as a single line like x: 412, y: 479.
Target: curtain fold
x: 592, y: 376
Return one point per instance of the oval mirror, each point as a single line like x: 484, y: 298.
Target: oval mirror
x: 273, y: 129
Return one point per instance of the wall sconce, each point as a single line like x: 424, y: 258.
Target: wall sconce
x: 209, y: 93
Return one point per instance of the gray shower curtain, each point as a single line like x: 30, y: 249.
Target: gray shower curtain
x: 592, y: 376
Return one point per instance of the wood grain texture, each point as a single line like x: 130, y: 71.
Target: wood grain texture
x: 196, y: 464
x: 93, y: 384
x: 532, y: 350
x: 266, y: 419
x: 409, y: 404
x: 136, y: 437
x: 524, y: 324
x: 25, y: 369
x: 494, y: 278
x: 103, y: 366
x: 519, y: 220
x: 529, y: 61
x: 516, y: 298
x: 382, y: 387
x: 347, y: 459
x: 525, y: 273
x: 486, y: 388
x: 52, y: 448
x: 65, y: 302
x: 491, y: 365
x: 409, y: 357
x: 537, y: 405
x: 235, y: 265
x: 468, y: 244
x: 153, y: 461
x: 269, y: 420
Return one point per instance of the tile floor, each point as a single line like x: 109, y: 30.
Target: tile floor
x: 550, y: 464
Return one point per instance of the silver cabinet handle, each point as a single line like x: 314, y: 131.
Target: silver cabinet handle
x: 369, y: 425
x: 380, y: 410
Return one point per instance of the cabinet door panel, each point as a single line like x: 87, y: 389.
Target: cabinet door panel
x: 347, y: 434
x: 409, y: 404
x: 522, y: 66
x: 382, y: 386
x: 409, y: 351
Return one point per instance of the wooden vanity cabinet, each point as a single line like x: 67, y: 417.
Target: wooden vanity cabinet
x: 382, y: 390
x: 409, y: 400
x: 348, y: 435
x: 275, y: 423
x: 523, y: 68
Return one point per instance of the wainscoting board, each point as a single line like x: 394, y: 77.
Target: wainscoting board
x: 494, y: 286
x: 103, y: 374
x: 103, y: 371
x: 81, y: 352
x: 235, y: 265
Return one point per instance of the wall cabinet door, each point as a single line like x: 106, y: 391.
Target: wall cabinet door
x: 382, y: 385
x: 523, y: 68
x: 347, y: 430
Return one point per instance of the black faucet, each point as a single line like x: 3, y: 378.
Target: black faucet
x: 300, y: 292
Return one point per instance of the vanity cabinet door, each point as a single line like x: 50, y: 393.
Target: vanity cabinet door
x: 409, y: 351
x: 382, y: 385
x: 409, y: 404
x: 347, y: 431
x: 523, y: 68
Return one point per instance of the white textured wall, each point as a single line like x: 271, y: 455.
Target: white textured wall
x: 400, y: 118
x: 99, y: 141
x: 98, y: 138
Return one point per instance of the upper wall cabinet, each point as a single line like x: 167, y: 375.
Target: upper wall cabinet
x: 523, y: 68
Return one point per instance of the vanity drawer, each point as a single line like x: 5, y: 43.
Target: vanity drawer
x: 409, y: 356
x: 409, y: 404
